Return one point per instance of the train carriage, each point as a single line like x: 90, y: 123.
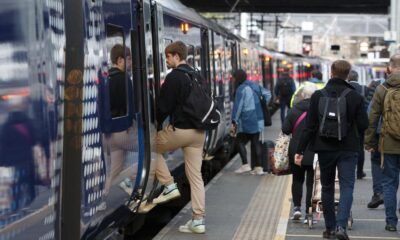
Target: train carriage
x: 70, y: 167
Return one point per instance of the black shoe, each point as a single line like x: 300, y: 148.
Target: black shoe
x: 390, y: 228
x: 376, y: 200
x: 329, y: 234
x: 341, y: 234
x: 363, y: 175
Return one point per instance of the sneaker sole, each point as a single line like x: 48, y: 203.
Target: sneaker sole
x: 171, y: 196
x: 296, y: 216
x: 184, y: 229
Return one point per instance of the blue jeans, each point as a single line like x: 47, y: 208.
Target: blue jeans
x: 283, y: 104
x: 376, y: 171
x: 390, y: 186
x: 345, y: 162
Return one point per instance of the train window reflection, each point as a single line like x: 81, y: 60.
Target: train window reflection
x: 119, y: 64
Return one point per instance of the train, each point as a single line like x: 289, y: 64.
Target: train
x: 69, y: 169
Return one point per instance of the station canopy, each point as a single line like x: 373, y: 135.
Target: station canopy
x: 291, y: 6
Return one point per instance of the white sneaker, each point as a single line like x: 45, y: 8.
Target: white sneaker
x: 257, y: 171
x: 243, y: 168
x: 193, y: 226
x: 170, y: 192
x: 296, y: 213
x: 126, y: 185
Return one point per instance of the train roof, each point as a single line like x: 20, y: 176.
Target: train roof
x: 176, y: 8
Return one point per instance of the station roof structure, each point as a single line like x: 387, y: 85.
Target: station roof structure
x: 291, y: 6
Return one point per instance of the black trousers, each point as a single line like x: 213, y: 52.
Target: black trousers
x: 243, y: 138
x: 299, y: 175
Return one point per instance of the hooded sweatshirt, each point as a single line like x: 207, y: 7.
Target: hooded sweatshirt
x: 391, y: 146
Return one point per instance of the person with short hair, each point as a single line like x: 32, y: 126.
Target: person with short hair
x: 118, y: 143
x: 386, y: 143
x: 284, y: 89
x: 335, y: 152
x: 179, y: 133
x: 353, y: 81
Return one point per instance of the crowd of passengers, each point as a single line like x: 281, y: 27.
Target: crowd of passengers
x: 327, y: 122
x: 318, y: 132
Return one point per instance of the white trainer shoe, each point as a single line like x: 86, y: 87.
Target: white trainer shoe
x: 170, y: 192
x: 243, y: 168
x: 193, y: 226
x: 257, y: 171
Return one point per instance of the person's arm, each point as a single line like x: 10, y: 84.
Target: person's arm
x: 312, y: 124
x: 293, y: 85
x: 238, y: 105
x: 266, y: 93
x: 371, y: 140
x: 168, y: 99
x: 288, y: 122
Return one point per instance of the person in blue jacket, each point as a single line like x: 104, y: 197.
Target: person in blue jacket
x: 248, y: 119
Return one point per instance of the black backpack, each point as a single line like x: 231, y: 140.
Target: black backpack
x: 285, y: 87
x: 333, y: 115
x: 199, y: 105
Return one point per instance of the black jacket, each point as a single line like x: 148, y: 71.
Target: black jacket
x: 362, y: 90
x: 118, y: 88
x: 356, y: 118
x: 173, y: 94
x: 290, y: 120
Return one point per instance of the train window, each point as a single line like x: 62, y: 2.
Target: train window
x: 119, y: 63
x: 190, y: 57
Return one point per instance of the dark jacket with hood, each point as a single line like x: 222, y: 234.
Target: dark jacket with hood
x: 173, y: 94
x: 391, y: 146
x: 357, y: 121
x: 287, y: 128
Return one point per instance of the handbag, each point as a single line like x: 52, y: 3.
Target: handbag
x: 265, y: 109
x: 280, y: 164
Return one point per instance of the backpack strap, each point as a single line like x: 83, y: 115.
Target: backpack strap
x: 345, y: 92
x: 302, y: 116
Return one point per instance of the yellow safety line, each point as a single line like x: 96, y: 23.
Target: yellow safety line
x: 284, y: 218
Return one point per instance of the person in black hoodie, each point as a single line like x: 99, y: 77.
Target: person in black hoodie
x: 294, y: 124
x: 182, y: 133
x: 334, y: 153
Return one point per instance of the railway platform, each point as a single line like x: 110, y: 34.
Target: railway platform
x: 260, y: 207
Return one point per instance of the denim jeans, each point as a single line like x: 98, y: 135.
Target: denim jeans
x: 376, y: 171
x: 361, y: 157
x: 283, y: 104
x: 390, y: 186
x: 345, y: 162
